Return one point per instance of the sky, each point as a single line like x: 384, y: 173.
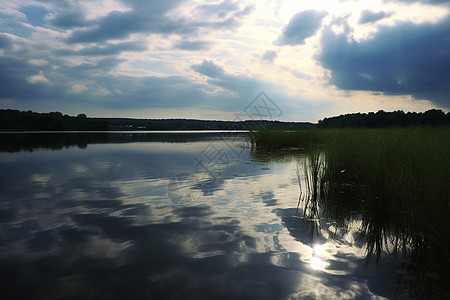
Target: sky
x: 213, y: 59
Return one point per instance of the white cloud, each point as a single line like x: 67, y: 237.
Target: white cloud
x: 37, y: 62
x: 38, y: 78
x: 102, y: 91
x: 78, y: 88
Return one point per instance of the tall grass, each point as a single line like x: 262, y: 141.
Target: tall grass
x: 398, y: 178
x: 403, y: 176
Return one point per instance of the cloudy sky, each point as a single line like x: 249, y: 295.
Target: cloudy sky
x: 210, y: 59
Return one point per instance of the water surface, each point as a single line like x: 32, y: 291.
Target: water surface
x: 152, y: 215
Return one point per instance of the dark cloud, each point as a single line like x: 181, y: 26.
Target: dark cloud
x: 37, y: 75
x: 99, y: 89
x: 269, y: 56
x: 11, y: 77
x: 116, y: 25
x: 242, y: 87
x: 209, y: 69
x: 66, y: 14
x: 226, y: 13
x: 5, y: 42
x: 219, y: 10
x: 193, y: 45
x: 153, y: 91
x: 106, y: 49
x: 368, y: 16
x: 302, y: 26
x: 152, y: 17
x: 403, y: 59
x: 68, y: 20
x: 102, y: 66
x: 15, y: 84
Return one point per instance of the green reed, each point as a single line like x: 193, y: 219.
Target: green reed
x: 398, y: 178
x: 402, y: 174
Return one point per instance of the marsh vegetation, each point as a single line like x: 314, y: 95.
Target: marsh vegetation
x: 396, y: 180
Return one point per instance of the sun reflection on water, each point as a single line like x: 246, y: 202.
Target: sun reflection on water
x: 317, y: 262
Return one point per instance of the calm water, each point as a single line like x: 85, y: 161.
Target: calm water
x: 158, y: 216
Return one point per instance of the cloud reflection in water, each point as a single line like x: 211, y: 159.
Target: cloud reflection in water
x: 99, y: 222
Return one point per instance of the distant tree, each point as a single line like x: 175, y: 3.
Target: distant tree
x: 433, y: 116
x: 28, y: 120
x: 382, y: 119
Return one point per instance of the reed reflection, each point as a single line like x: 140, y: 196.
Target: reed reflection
x: 379, y: 185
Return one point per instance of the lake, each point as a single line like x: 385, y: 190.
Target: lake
x: 131, y: 215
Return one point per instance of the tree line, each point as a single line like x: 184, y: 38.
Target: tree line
x: 28, y: 120
x: 382, y: 119
x: 193, y: 124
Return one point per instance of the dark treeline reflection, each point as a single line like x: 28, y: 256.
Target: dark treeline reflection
x: 16, y: 142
